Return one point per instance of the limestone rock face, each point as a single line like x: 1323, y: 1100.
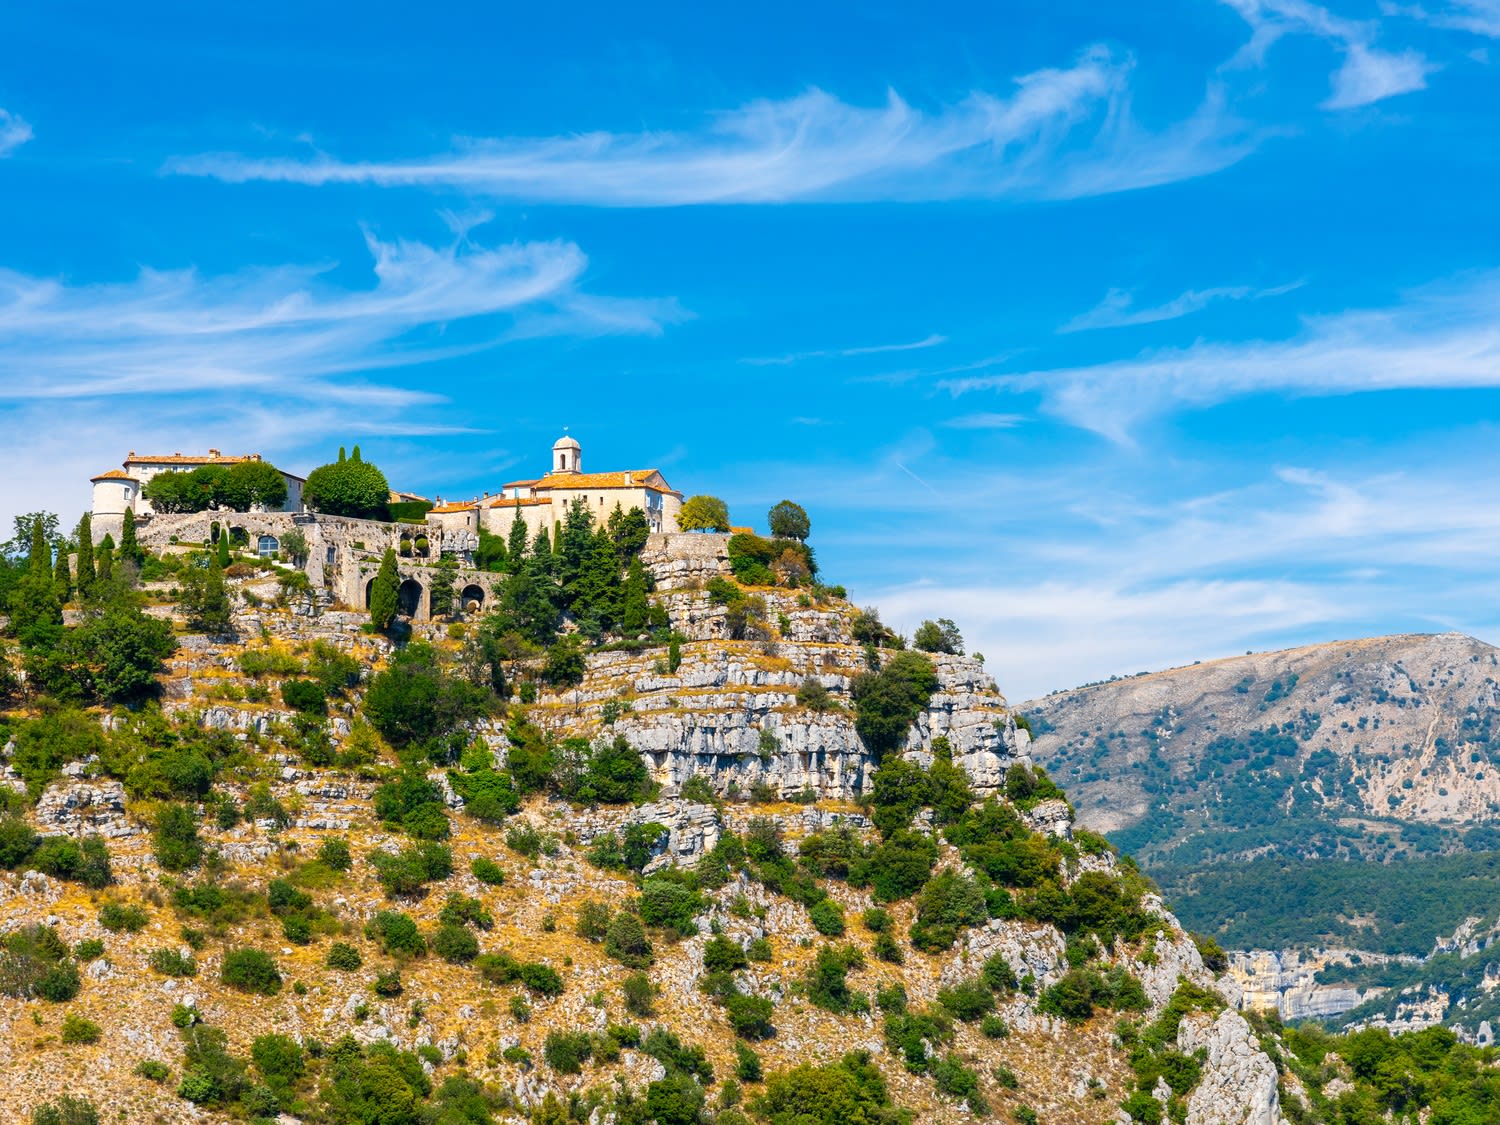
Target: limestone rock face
x: 1238, y: 1086
x: 80, y: 808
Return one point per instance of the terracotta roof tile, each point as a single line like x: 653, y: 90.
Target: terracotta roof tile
x: 113, y: 474
x: 191, y: 459
x: 524, y: 502
x: 638, y: 479
x: 444, y: 509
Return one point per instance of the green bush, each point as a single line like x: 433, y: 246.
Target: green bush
x: 174, y: 838
x: 640, y: 996
x: 118, y: 917
x: 173, y: 963
x: 967, y: 1000
x: 334, y: 854
x: 66, y: 1110
x: 566, y: 1052
x: 76, y: 1029
x: 827, y: 918
x: 251, y: 970
x: 152, y: 1070
x: 396, y: 933
x: 487, y: 871
x: 90, y: 949
x: 948, y: 903
x: 305, y: 696
x: 455, y: 944
x: 344, y: 957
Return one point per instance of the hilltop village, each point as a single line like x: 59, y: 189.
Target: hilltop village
x: 340, y: 546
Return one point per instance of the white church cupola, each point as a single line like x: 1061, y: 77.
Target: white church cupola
x: 567, y: 455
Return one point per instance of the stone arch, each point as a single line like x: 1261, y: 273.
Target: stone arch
x: 267, y: 546
x: 410, y: 597
x: 471, y: 597
x: 369, y: 586
x: 239, y: 536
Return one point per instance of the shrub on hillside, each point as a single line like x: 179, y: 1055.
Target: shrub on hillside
x: 251, y: 970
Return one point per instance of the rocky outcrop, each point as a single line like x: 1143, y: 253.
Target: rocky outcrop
x: 1286, y: 983
x: 79, y: 808
x: 1238, y: 1086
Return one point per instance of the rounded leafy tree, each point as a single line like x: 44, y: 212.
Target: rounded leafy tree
x: 789, y: 521
x: 348, y: 487
x: 703, y: 513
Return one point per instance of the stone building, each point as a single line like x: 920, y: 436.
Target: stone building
x: 120, y: 490
x: 544, y: 502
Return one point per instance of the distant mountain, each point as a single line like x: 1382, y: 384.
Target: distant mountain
x: 1281, y: 798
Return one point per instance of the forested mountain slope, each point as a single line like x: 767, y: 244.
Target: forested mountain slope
x: 1260, y: 789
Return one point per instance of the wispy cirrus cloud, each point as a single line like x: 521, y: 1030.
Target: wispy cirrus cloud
x: 1118, y: 309
x: 1443, y: 336
x: 931, y: 341
x: 985, y: 420
x: 14, y: 132
x: 1368, y: 73
x: 1059, y: 133
x: 1480, y: 17
x: 287, y: 328
x: 273, y: 359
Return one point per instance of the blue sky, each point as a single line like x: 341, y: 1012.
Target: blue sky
x: 1125, y: 335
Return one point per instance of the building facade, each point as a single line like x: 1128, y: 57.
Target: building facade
x: 120, y: 490
x: 543, y: 502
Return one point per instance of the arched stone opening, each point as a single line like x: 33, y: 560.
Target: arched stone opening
x: 267, y: 546
x: 471, y: 599
x: 239, y: 537
x: 369, y: 586
x: 410, y: 596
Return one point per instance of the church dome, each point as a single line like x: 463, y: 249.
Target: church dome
x: 566, y: 442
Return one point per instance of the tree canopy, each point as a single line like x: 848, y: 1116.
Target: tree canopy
x: 789, y: 521
x: 348, y: 487
x: 703, y: 513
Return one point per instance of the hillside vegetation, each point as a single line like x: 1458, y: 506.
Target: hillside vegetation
x: 267, y: 865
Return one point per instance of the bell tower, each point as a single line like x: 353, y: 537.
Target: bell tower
x: 567, y: 455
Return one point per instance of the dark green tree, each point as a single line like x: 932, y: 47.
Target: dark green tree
x: 348, y: 488
x: 104, y: 562
x: 633, y: 605
x: 205, y: 599
x: 515, y: 546
x: 941, y: 635
x: 385, y: 591
x: 445, y: 572
x: 248, y: 484
x: 130, y: 547
x: 84, y: 579
x: 62, y: 575
x: 789, y: 521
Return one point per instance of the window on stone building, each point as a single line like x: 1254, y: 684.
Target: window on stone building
x: 267, y: 546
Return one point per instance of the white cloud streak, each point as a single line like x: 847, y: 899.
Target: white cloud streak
x: 1060, y: 133
x: 286, y: 328
x: 1479, y: 17
x: 843, y: 353
x: 1117, y: 309
x: 1441, y: 337
x: 1367, y: 73
x: 14, y: 132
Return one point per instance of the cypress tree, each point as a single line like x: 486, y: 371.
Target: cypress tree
x: 130, y: 547
x: 516, y: 547
x: 85, y: 573
x: 221, y: 550
x: 574, y: 544
x: 633, y: 608
x: 342, y: 455
x: 40, y: 558
x: 354, y: 456
x: 211, y: 613
x: 62, y: 577
x: 104, y: 561
x: 385, y: 593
